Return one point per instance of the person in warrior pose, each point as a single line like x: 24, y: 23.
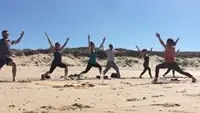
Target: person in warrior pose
x: 92, y: 57
x: 111, y: 61
x: 168, y: 70
x: 145, y: 55
x: 57, y: 61
x: 169, y: 56
x: 5, y: 44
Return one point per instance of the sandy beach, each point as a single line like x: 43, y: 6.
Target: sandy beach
x: 126, y: 95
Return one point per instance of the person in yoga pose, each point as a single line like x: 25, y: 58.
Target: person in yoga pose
x: 111, y: 61
x: 169, y: 56
x: 145, y: 55
x: 5, y: 51
x: 57, y: 61
x: 168, y: 70
x: 92, y: 57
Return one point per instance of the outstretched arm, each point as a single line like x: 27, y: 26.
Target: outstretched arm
x: 64, y: 44
x: 178, y: 51
x: 18, y: 40
x: 161, y: 41
x: 150, y: 51
x: 138, y: 48
x: 101, y: 46
x: 177, y: 41
x: 88, y: 40
x: 49, y: 41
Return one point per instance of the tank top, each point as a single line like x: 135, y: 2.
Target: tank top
x: 57, y: 57
x: 93, y: 56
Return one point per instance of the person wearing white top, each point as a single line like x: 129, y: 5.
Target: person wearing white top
x: 111, y: 61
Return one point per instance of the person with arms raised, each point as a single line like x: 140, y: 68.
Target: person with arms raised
x: 92, y: 62
x: 169, y: 56
x: 145, y: 54
x: 5, y: 44
x: 57, y: 61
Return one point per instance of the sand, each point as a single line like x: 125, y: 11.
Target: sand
x: 126, y: 95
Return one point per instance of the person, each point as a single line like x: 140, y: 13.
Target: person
x: 57, y: 61
x: 168, y: 70
x: 169, y: 56
x: 5, y: 51
x: 92, y: 57
x: 111, y: 61
x: 146, y: 66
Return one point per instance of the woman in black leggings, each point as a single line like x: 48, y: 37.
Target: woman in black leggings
x: 57, y: 61
x: 170, y: 62
x: 146, y: 66
x: 92, y: 57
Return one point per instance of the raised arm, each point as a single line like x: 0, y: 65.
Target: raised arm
x: 101, y: 46
x: 88, y: 40
x: 138, y: 48
x: 178, y: 51
x: 49, y: 40
x: 18, y: 40
x: 177, y: 41
x: 161, y: 41
x: 150, y: 51
x: 64, y: 44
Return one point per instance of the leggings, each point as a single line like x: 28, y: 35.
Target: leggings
x: 55, y: 64
x: 145, y: 69
x: 173, y: 72
x: 172, y: 66
x: 89, y: 66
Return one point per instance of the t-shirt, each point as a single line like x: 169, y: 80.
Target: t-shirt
x: 93, y: 57
x: 4, y: 49
x: 169, y: 54
x: 110, y: 55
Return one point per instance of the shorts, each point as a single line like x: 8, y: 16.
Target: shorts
x: 5, y: 61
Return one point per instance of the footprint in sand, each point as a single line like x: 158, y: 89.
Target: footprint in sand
x: 74, y: 107
x: 11, y: 106
x: 83, y: 85
x: 192, y: 95
x: 167, y: 105
x: 30, y: 112
x: 48, y: 108
x: 176, y: 111
x: 183, y: 91
x: 156, y: 96
x: 135, y: 99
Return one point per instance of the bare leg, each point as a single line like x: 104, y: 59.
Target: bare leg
x: 66, y: 72
x: 14, y: 69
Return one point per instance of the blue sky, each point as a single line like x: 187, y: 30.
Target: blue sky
x: 125, y: 23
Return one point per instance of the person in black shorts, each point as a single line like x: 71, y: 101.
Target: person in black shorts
x: 57, y: 61
x: 5, y: 52
x: 145, y: 55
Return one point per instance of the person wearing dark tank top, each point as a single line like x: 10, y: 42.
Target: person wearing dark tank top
x: 57, y: 61
x: 5, y: 52
x: 145, y: 55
